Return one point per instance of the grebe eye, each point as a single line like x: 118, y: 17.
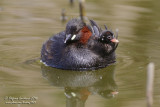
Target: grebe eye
x: 109, y: 37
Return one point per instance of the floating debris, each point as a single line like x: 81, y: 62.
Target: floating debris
x: 71, y: 2
x: 63, y: 17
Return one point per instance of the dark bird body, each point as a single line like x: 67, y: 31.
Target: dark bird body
x: 77, y: 48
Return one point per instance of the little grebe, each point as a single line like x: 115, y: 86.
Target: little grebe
x: 80, y: 47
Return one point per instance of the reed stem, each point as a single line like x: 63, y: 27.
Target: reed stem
x: 150, y: 79
x: 82, y: 9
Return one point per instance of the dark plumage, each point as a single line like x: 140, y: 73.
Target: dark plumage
x: 78, y: 48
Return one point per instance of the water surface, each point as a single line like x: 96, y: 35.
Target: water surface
x: 26, y: 24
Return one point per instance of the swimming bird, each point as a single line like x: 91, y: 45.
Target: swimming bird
x: 79, y: 47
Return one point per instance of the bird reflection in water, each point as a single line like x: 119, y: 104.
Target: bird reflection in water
x: 78, y: 85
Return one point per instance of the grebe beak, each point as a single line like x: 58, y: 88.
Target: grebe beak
x: 115, y: 40
x: 68, y: 37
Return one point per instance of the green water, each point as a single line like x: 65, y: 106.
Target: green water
x: 26, y: 24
